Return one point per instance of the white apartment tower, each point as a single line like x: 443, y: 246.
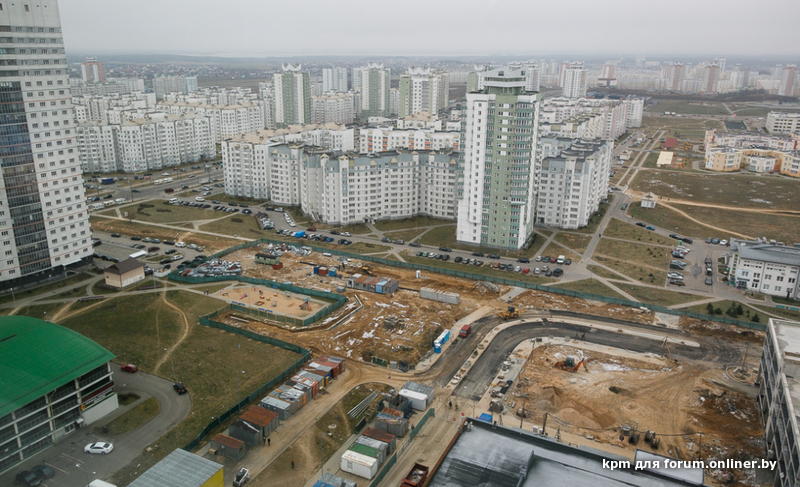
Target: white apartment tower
x: 374, y: 90
x: 531, y: 69
x: 575, y: 80
x: 789, y: 82
x: 334, y: 79
x: 44, y: 223
x: 174, y: 84
x: 496, y: 193
x: 422, y: 90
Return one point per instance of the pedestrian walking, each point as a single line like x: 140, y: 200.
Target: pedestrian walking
x: 269, y: 442
x: 450, y: 404
x: 292, y: 463
x: 264, y: 441
x: 390, y: 376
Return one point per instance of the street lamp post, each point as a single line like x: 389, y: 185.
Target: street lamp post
x: 86, y: 472
x: 14, y: 298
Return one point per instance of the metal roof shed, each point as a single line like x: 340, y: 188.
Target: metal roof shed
x: 228, y: 447
x: 181, y: 469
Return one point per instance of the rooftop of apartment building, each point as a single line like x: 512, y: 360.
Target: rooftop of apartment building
x: 784, y: 114
x: 205, y: 105
x: 354, y: 159
x: 764, y: 251
x: 149, y: 117
x: 262, y: 136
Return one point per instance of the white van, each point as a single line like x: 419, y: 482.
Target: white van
x: 98, y: 206
x: 560, y: 260
x: 172, y: 201
x: 119, y: 201
x: 109, y: 203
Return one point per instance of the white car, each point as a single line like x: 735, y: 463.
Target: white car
x: 723, y: 242
x: 346, y: 234
x: 180, y: 244
x: 292, y: 224
x: 199, y: 198
x: 99, y: 447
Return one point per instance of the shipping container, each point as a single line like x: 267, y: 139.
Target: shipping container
x: 389, y: 423
x: 335, y: 360
x: 316, y: 269
x: 376, y: 444
x: 308, y: 382
x: 323, y: 271
x: 358, y: 464
x: 368, y: 451
x: 283, y: 408
x: 332, y: 272
x: 321, y: 380
x: 383, y: 436
x: 323, y: 370
x: 420, y: 396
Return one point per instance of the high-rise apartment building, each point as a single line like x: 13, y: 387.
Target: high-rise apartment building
x: 92, y: 71
x: 334, y: 79
x: 174, y: 84
x: 675, y: 74
x: 338, y: 108
x: 422, y: 90
x: 531, y: 69
x: 575, y: 81
x: 496, y: 193
x: 292, y: 96
x: 44, y: 223
x: 607, y: 78
x: 374, y: 90
x: 789, y: 83
x: 710, y: 77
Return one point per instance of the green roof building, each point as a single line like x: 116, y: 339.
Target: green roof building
x: 53, y: 381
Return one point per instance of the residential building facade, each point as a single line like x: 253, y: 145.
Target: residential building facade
x: 226, y: 120
x: 92, y: 71
x: 763, y: 267
x: 338, y: 108
x: 44, y: 223
x: 388, y: 139
x: 163, y: 85
x: 292, y: 90
x: 335, y: 79
x: 423, y: 90
x: 575, y: 80
x: 375, y: 84
x: 145, y: 144
x: 778, y: 390
x: 573, y: 181
x: 783, y: 123
x: 496, y: 190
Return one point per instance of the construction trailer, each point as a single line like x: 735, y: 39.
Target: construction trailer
x: 358, y: 464
x: 387, y: 438
x: 378, y: 285
x: 440, y: 296
x: 420, y: 396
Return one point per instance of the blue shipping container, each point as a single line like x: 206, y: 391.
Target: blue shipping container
x: 332, y: 272
x: 316, y: 270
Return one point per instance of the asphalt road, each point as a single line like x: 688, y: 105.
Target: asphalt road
x: 122, y: 189
x: 70, y: 462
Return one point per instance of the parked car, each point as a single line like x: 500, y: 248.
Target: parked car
x: 386, y: 240
x: 568, y: 262
x: 650, y: 227
x: 100, y: 447
x: 179, y: 388
x: 709, y: 281
x: 723, y: 242
x: 458, y: 260
x: 709, y: 239
x: 27, y: 478
x: 43, y: 471
x: 413, y: 244
x: 640, y: 224
x: 115, y: 235
x: 399, y: 241
x: 558, y: 272
x: 493, y: 256
x: 346, y: 234
x: 129, y: 368
x: 624, y: 206
x: 445, y: 249
x: 715, y: 241
x: 524, y: 260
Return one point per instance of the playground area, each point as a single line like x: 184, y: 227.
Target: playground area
x: 272, y: 300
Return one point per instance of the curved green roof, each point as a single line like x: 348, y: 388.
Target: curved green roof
x: 37, y: 357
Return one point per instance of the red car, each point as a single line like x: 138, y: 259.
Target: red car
x: 311, y: 229
x: 129, y: 368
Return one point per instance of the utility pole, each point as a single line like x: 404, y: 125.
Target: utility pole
x: 744, y: 360
x: 544, y: 425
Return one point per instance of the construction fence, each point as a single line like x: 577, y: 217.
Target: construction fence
x: 503, y: 281
x: 387, y: 466
x: 268, y: 386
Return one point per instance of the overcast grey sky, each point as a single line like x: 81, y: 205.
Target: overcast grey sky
x: 432, y: 27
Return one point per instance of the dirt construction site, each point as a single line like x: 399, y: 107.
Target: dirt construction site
x: 626, y: 399
x: 273, y: 300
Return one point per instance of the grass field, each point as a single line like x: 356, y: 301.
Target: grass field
x: 406, y: 235
x: 414, y: 222
x: 100, y: 287
x: 41, y: 311
x: 641, y: 262
x: 651, y: 159
x: 659, y: 297
x: 725, y: 308
x: 576, y: 242
x: 782, y: 228
x: 603, y: 272
x: 134, y: 418
x: 681, y: 127
x: 238, y: 225
x: 786, y: 313
x: 157, y: 211
x: 591, y: 286
x: 689, y: 107
x: 51, y: 286
x: 735, y: 190
x: 619, y: 229
x: 138, y: 329
x: 212, y: 243
x: 363, y: 248
x: 670, y: 220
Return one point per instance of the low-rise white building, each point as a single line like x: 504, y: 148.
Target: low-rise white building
x: 387, y: 139
x: 145, y: 144
x: 783, y: 123
x: 573, y: 180
x: 763, y: 267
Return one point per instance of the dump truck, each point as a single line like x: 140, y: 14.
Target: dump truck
x: 509, y: 314
x: 570, y: 366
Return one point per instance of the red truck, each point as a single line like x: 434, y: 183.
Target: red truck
x: 465, y: 331
x: 416, y: 477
